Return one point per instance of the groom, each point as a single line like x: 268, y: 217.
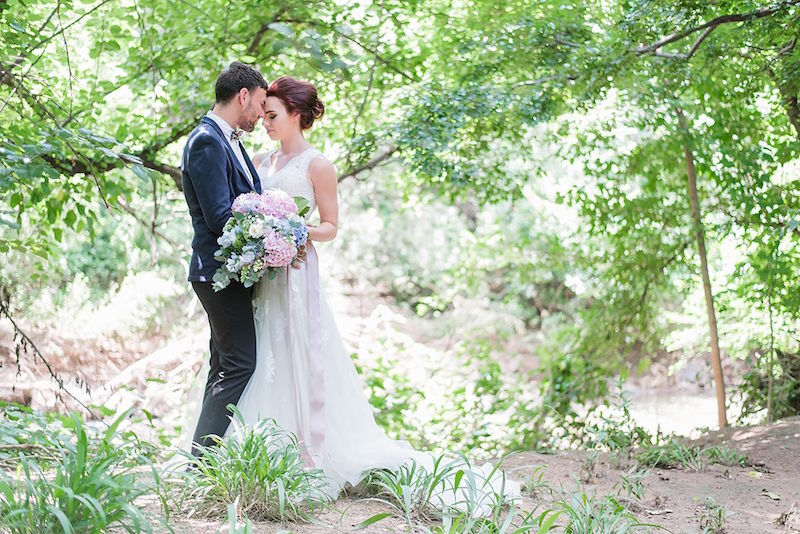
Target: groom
x: 215, y: 170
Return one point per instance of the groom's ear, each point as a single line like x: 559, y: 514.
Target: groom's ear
x: 244, y: 96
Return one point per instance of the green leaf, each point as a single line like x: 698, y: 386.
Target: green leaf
x: 547, y: 525
x: 109, y: 153
x: 279, y: 45
x: 281, y: 28
x: 302, y: 205
x: 70, y: 218
x: 62, y: 518
x: 372, y: 520
x: 105, y: 410
x: 149, y: 416
x: 141, y: 171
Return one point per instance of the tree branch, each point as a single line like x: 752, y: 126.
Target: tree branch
x: 132, y: 212
x: 363, y: 101
x: 34, y: 102
x: 710, y: 26
x: 172, y: 172
x: 361, y: 45
x: 792, y: 108
x: 788, y: 99
x: 371, y: 164
x: 263, y: 30
x: 78, y: 165
x: 26, y: 342
x: 71, y: 167
x: 65, y: 28
x: 699, y: 41
x: 637, y: 309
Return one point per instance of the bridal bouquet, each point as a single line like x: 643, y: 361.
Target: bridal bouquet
x: 262, y: 236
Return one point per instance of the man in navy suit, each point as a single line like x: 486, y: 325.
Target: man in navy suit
x: 215, y: 170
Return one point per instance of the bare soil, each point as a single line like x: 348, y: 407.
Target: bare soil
x: 762, y: 497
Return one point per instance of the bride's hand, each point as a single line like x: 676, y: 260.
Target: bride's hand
x: 301, y: 257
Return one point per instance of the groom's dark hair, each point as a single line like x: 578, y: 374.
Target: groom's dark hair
x: 236, y: 76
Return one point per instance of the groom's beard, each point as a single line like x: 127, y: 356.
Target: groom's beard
x: 248, y: 126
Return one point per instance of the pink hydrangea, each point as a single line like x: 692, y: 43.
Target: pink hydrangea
x: 247, y: 203
x: 279, y: 250
x: 276, y: 203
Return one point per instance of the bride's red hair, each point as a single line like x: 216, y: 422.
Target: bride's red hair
x: 298, y: 96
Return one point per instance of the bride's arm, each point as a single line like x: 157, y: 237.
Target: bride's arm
x: 323, y: 177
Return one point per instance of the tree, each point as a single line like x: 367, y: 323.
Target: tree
x: 440, y: 100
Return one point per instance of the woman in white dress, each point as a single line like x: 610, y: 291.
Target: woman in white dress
x: 304, y: 376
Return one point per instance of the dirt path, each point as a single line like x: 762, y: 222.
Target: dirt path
x: 754, y: 497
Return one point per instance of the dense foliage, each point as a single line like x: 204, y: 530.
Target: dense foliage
x: 514, y: 113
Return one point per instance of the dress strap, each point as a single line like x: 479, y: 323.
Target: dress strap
x: 267, y: 159
x: 306, y: 158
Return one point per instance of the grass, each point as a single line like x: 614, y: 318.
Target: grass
x: 631, y: 482
x: 258, y: 468
x: 515, y: 522
x: 534, y: 484
x: 35, y: 435
x: 589, y: 514
x: 712, y: 517
x: 88, y: 484
x: 411, y: 489
x: 67, y: 477
x: 451, y: 491
x: 234, y: 526
x: 673, y: 455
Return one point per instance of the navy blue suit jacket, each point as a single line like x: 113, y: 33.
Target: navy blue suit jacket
x: 212, y: 178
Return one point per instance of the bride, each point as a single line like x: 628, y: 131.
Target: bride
x: 304, y: 377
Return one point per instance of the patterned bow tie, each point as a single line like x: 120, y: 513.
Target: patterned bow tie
x: 236, y: 135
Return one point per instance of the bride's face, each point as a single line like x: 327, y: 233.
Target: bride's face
x: 279, y: 123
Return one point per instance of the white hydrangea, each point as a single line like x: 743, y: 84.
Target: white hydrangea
x: 256, y: 230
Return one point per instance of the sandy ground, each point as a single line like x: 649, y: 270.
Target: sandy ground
x: 755, y: 497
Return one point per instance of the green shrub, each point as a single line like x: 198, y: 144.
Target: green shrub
x: 90, y: 485
x: 259, y: 467
x: 450, y: 489
x: 593, y: 515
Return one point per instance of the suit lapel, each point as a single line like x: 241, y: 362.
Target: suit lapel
x: 230, y: 150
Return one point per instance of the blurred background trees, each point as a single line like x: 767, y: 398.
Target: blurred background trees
x: 525, y: 163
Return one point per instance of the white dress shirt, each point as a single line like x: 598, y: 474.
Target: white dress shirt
x: 227, y: 129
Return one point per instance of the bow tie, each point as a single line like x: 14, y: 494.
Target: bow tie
x: 236, y: 135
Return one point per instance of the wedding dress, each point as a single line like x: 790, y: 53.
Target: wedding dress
x: 306, y: 381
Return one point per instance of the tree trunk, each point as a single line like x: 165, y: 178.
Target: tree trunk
x: 716, y: 361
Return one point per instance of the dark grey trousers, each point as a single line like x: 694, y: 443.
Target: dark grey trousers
x: 233, y: 355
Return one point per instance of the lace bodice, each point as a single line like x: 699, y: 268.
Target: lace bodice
x: 292, y: 177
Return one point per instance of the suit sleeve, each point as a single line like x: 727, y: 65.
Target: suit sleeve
x: 206, y: 169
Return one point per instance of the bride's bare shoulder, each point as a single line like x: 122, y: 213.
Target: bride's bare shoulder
x: 320, y: 165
